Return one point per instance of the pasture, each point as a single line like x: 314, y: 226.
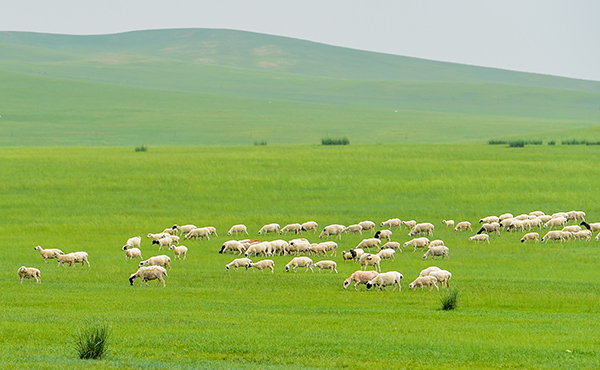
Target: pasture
x: 532, y: 306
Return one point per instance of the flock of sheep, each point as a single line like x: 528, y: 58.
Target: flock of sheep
x: 154, y: 268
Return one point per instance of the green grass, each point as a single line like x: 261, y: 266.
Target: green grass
x: 522, y: 305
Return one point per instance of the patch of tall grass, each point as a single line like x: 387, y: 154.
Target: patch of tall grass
x: 91, y: 341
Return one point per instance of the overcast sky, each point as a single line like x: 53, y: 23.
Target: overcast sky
x: 557, y: 37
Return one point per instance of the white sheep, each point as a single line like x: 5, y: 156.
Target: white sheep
x: 300, y: 262
x: 232, y: 245
x: 422, y: 228
x: 257, y: 249
x: 48, y: 253
x: 239, y: 262
x: 330, y: 246
x: 161, y: 260
x: 417, y: 243
x: 237, y: 229
x: 387, y: 254
x: 553, y: 235
x: 392, y: 245
x: 367, y: 225
x: 179, y: 251
x: 493, y: 227
x: 346, y: 256
x: 185, y: 228
x: 463, y: 225
x: 269, y: 228
x: 385, y: 279
x: 279, y: 247
x: 131, y: 253
x: 170, y: 231
x: 289, y: 228
x: 136, y: 241
x: 369, y: 243
x: 148, y: 273
x: 504, y: 216
x: 537, y: 213
x: 317, y: 249
x: 29, y: 273
x: 356, y: 229
x: 409, y: 224
x: 435, y: 243
x: 593, y: 227
x: 164, y: 242
x: 384, y: 234
x: 157, y: 236
x: 489, y: 219
x: 264, y: 264
x: 423, y: 281
x: 480, y: 238
x: 392, y: 222
x: 73, y: 258
x: 360, y: 277
x: 535, y: 222
x: 357, y: 253
x: 572, y: 228
x: 440, y: 250
x: 326, y: 264
x: 530, y: 236
x: 310, y: 225
x: 443, y: 277
x: 369, y: 259
x: 448, y: 223
x: 332, y: 230
x: 429, y: 270
x: 557, y: 221
x: 199, y: 232
x: 583, y: 234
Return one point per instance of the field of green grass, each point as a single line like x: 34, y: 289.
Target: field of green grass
x: 532, y: 306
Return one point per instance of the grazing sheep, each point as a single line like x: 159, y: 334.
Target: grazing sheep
x: 593, y: 227
x: 330, y: 246
x: 264, y: 264
x: 289, y: 228
x: 537, y: 213
x: 360, y: 277
x: 48, y: 253
x: 357, y: 253
x: 557, y: 221
x: 326, y: 264
x: 480, y: 238
x: 530, y: 236
x: 131, y: 253
x: 179, y: 251
x: 385, y: 279
x: 429, y: 270
x: 392, y: 222
x: 369, y: 259
x: 310, y: 225
x: 409, y: 224
x: 367, y: 225
x: 535, y: 222
x: 522, y: 217
x: 576, y: 215
x: 238, y: 229
x: 387, y: 254
x: 164, y: 242
x: 332, y: 230
x: 73, y: 258
x: 489, y: 219
x: 357, y: 229
x: 149, y: 273
x: 417, y: 243
x: 239, y: 262
x: 170, y: 231
x: 346, y: 256
x: 136, y: 241
x: 493, y: 227
x: 583, y: 234
x: 200, y: 232
x: 185, y: 228
x: 317, y: 249
x: 505, y: 216
x: 392, y: 245
x: 423, y: 281
x: 422, y: 228
x: 384, y: 234
x: 443, y: 277
x: 369, y: 243
x: 269, y: 228
x: 463, y: 225
x: 232, y: 245
x: 300, y: 262
x: 161, y: 260
x: 440, y: 250
x: 519, y: 225
x: 545, y: 218
x: 211, y: 230
x: 572, y: 228
x: 435, y: 243
x: 553, y: 235
x: 448, y: 223
x: 157, y: 236
x: 29, y: 273
x: 299, y: 246
x: 257, y: 249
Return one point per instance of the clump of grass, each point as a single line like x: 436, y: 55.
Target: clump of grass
x: 592, y: 143
x: 552, y: 142
x: 516, y: 144
x: 574, y: 142
x: 91, y: 341
x: 449, y: 299
x: 335, y: 141
x: 496, y: 142
x: 141, y: 148
x: 260, y: 143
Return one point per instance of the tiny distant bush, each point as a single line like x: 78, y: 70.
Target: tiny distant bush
x: 574, y: 142
x: 552, y: 142
x: 516, y: 144
x: 496, y: 142
x: 449, y: 299
x: 335, y: 141
x: 91, y: 341
x: 592, y: 143
x: 260, y: 143
x: 141, y: 148
x: 533, y: 142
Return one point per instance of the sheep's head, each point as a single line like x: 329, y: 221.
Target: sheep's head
x: 155, y: 242
x: 143, y: 263
x: 131, y: 279
x: 124, y: 248
x: 287, y: 268
x: 172, y: 247
x: 369, y: 285
x: 22, y: 269
x: 39, y: 247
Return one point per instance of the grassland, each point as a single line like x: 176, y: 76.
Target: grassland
x: 528, y: 306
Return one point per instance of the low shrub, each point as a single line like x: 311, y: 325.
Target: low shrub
x: 335, y: 141
x: 449, y: 299
x: 141, y: 148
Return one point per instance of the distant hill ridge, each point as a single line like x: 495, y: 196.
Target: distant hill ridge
x: 257, y: 51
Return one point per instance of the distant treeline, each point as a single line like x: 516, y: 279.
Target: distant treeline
x: 522, y: 143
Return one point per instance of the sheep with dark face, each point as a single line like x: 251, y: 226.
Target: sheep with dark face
x: 163, y: 242
x: 493, y: 227
x: 131, y: 253
x: 232, y: 245
x: 136, y: 241
x: 384, y: 279
x: 384, y: 234
x: 310, y: 225
x: 148, y: 273
x: 48, y: 253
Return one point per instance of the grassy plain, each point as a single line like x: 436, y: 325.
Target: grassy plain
x: 528, y: 306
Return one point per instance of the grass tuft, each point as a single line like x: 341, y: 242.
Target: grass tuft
x: 91, y: 341
x: 141, y: 148
x: 335, y: 141
x: 450, y: 299
x: 260, y: 143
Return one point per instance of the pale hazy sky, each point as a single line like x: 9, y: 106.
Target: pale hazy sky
x: 557, y: 37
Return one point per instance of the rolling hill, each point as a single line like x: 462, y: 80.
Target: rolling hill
x: 224, y: 87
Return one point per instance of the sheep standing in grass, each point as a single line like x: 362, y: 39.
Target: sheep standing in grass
x: 463, y: 225
x: 136, y: 241
x: 164, y: 242
x: 480, y: 238
x: 239, y: 262
x: 73, y: 258
x: 131, y: 253
x: 530, y: 236
x: 264, y: 264
x: 346, y: 256
x: 417, y: 243
x: 356, y: 229
x: 440, y: 250
x: 48, y: 253
x: 384, y: 234
x: 232, y: 245
x: 429, y: 270
x: 185, y: 228
x: 593, y: 227
x: 357, y: 253
x: 489, y: 219
x: 238, y: 229
x: 583, y: 234
x: 310, y: 225
x: 421, y: 229
x: 149, y: 273
x: 327, y: 265
x: 291, y: 228
x: 409, y: 224
x: 332, y: 230
x: 448, y: 223
x: 555, y: 222
x: 423, y: 281
x: 299, y: 262
x: 488, y: 228
x: 367, y: 225
x: 360, y: 277
x: 553, y: 235
x: 369, y: 243
x: 201, y: 232
x: 161, y: 260
x: 179, y: 251
x: 392, y: 222
x: 572, y: 228
x: 384, y: 279
x: 330, y: 246
x: 443, y: 277
x: 387, y: 254
x: 269, y: 228
x: 392, y: 245
x: 368, y: 259
x: 29, y: 273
